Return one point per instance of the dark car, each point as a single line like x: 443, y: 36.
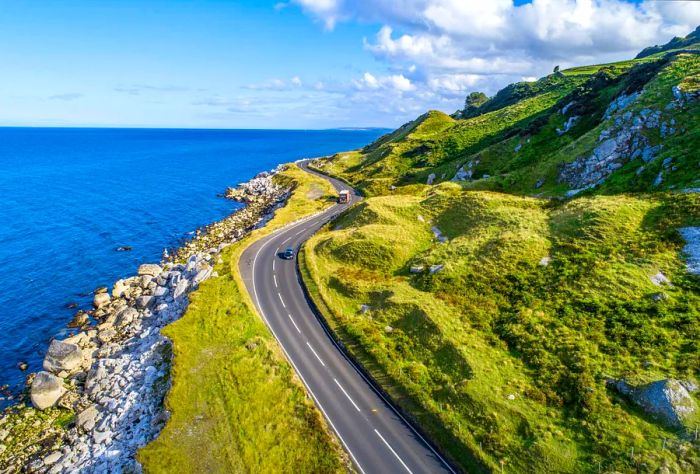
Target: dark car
x: 288, y: 254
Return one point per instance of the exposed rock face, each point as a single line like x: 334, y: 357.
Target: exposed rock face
x: 625, y: 140
x: 62, y: 356
x: 46, y: 390
x: 436, y: 268
x: 567, y: 126
x: 466, y: 171
x: 669, y: 400
x: 692, y: 248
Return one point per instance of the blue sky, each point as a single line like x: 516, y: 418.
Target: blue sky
x: 296, y: 64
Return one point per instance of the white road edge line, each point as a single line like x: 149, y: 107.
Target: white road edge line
x: 296, y: 369
x: 281, y: 300
x: 312, y: 350
x: 295, y: 324
x: 346, y: 394
x: 392, y: 450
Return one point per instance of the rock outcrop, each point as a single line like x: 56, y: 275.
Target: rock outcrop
x: 669, y: 400
x: 626, y: 139
x: 692, y: 248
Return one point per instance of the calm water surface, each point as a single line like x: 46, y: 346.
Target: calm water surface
x: 72, y: 196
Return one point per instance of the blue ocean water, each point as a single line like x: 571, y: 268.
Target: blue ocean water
x: 72, y: 196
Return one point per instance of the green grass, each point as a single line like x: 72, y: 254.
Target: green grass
x: 494, y: 323
x: 235, y: 403
x: 514, y: 141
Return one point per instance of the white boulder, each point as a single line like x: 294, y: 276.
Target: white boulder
x: 62, y: 356
x: 46, y: 390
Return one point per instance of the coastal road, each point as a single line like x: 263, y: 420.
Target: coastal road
x: 375, y: 436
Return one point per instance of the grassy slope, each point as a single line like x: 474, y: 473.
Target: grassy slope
x: 494, y: 323
x: 517, y: 145
x: 503, y: 361
x: 236, y: 404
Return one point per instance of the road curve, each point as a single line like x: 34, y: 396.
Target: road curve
x: 375, y: 436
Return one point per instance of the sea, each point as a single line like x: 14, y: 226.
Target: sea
x: 72, y: 196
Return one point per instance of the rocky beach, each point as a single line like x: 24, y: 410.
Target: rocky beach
x: 99, y: 397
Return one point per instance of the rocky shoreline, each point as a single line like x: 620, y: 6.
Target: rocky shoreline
x: 100, y: 395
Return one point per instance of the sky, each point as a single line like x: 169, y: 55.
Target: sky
x: 298, y: 64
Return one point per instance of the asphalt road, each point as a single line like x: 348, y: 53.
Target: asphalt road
x: 375, y: 436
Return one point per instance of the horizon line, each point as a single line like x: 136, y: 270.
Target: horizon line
x: 137, y: 127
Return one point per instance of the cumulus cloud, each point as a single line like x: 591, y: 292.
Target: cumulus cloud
x: 438, y: 50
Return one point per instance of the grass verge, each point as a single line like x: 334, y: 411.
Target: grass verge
x: 235, y: 403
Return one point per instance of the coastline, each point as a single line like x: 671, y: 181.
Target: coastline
x: 100, y: 396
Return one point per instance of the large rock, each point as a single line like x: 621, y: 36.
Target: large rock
x: 46, y: 390
x: 100, y: 300
x: 669, y: 400
x: 202, y: 275
x: 144, y: 301
x: 126, y: 317
x: 149, y: 269
x: 86, y: 418
x: 120, y: 287
x: 62, y: 356
x: 181, y: 287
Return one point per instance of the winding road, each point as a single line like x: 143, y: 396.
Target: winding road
x: 377, y: 438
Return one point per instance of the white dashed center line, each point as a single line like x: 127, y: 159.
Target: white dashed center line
x: 295, y: 324
x: 346, y: 394
x: 281, y: 300
x: 274, y: 277
x: 312, y: 350
x: 392, y: 450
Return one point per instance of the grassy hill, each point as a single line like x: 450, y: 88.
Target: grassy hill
x: 502, y: 303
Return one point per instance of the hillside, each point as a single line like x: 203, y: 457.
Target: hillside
x: 524, y: 275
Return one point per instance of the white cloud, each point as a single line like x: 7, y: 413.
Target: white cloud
x: 438, y: 50
x: 392, y: 83
x: 277, y: 84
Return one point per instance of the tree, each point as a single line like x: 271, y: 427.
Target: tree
x: 475, y: 100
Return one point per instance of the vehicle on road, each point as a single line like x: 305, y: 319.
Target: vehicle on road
x: 288, y: 254
x: 343, y: 196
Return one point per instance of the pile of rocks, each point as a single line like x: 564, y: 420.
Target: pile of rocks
x: 261, y: 196
x: 257, y: 188
x: 113, y: 375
